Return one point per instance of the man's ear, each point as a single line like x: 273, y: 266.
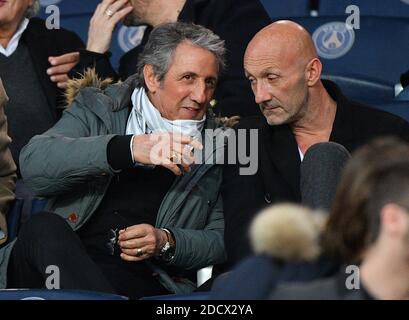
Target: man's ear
x: 313, y: 71
x: 151, y: 80
x: 394, y: 219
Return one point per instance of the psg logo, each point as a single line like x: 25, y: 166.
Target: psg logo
x: 333, y: 40
x: 45, y: 3
x: 130, y: 37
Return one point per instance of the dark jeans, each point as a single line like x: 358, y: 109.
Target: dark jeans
x: 46, y: 240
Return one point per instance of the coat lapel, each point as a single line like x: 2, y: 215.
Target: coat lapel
x: 38, y: 48
x: 343, y: 127
x: 279, y: 148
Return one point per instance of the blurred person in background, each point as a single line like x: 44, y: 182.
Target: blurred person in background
x: 366, y: 235
x: 27, y: 48
x: 368, y: 227
x: 7, y: 169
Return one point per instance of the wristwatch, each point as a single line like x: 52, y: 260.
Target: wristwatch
x: 167, y: 252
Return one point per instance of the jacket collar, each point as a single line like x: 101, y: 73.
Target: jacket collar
x: 343, y: 128
x: 35, y: 39
x: 11, y: 47
x: 278, y: 146
x: 121, y: 93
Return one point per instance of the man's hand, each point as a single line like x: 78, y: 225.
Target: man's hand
x: 140, y: 242
x: 61, y: 66
x: 165, y: 149
x: 103, y: 22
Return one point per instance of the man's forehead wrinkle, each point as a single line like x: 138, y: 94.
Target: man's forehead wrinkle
x: 259, y: 61
x: 262, y: 63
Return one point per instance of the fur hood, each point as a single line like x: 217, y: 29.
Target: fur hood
x: 91, y: 79
x: 288, y: 232
x: 88, y: 79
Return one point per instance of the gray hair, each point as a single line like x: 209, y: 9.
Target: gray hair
x: 33, y: 10
x: 164, y: 40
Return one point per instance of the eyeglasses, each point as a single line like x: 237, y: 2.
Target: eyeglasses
x: 112, y: 241
x: 113, y: 234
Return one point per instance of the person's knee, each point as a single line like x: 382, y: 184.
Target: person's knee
x: 44, y: 225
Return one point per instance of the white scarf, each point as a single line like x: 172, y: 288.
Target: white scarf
x: 146, y: 119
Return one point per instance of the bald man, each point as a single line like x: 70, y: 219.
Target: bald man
x: 300, y: 110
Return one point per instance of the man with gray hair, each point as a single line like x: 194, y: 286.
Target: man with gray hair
x: 25, y: 49
x: 144, y: 221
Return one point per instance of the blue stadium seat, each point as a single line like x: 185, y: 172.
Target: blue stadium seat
x: 403, y: 95
x: 252, y: 279
x: 14, y: 218
x: 69, y: 7
x: 188, y: 296
x: 14, y: 214
x: 362, y: 89
x: 255, y: 277
x: 399, y: 108
x: 381, y: 8
x: 378, y: 50
x: 37, y: 205
x: 289, y: 8
x: 44, y: 294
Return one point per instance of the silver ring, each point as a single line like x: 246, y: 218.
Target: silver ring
x: 190, y: 148
x: 174, y: 157
x: 139, y: 252
x: 109, y: 12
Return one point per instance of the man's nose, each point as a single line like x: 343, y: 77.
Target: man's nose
x: 199, y: 93
x: 261, y: 94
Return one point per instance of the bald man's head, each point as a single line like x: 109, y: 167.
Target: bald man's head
x: 281, y: 63
x: 287, y: 38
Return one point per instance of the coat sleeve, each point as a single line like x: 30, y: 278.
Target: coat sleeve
x: 66, y: 155
x: 196, y: 249
x: 100, y: 62
x: 7, y: 165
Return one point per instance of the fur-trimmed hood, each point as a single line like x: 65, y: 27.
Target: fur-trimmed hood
x: 91, y: 79
x: 88, y: 79
x: 288, y: 232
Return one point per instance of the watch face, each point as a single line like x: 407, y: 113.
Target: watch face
x: 167, y: 252
x: 165, y: 247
